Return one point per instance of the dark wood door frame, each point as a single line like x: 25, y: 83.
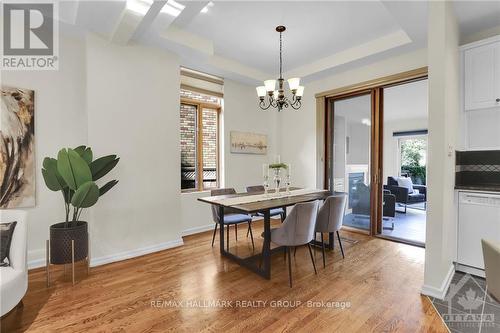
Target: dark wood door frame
x: 376, y: 89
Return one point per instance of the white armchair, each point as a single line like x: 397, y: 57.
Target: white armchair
x: 14, y: 278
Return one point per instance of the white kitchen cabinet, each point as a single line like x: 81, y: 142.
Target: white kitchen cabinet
x: 482, y: 75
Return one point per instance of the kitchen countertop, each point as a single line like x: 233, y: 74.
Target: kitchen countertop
x: 479, y: 187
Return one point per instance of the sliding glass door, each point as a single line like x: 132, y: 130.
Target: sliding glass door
x: 375, y: 140
x: 350, y: 125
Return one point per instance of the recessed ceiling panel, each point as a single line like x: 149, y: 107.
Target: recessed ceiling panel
x: 245, y: 31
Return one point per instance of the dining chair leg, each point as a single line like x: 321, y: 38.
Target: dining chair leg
x: 316, y: 242
x: 284, y: 254
x: 213, y: 237
x: 340, y: 244
x: 294, y: 251
x: 248, y: 230
x: 227, y: 238
x: 251, y: 234
x: 236, y: 232
x: 323, y: 250
x: 312, y: 258
x: 289, y: 266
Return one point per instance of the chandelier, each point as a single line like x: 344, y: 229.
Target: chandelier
x: 277, y: 98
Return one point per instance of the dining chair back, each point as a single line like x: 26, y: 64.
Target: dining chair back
x: 255, y: 189
x: 298, y: 227
x: 297, y: 230
x: 231, y: 217
x: 331, y: 213
x: 216, y: 192
x: 330, y: 217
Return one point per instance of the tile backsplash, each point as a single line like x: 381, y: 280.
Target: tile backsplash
x: 477, y: 168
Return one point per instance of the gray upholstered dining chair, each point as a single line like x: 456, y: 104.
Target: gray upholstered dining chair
x: 491, y: 254
x: 297, y: 230
x: 274, y: 211
x: 231, y: 217
x: 330, y: 217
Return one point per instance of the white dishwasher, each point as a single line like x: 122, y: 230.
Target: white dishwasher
x: 478, y: 218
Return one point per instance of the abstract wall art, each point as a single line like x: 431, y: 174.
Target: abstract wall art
x: 17, y: 147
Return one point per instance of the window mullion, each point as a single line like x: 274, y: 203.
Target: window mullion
x: 199, y: 146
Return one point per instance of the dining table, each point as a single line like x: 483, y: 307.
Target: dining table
x: 260, y: 202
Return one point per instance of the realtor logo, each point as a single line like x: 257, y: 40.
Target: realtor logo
x: 465, y: 305
x: 30, y: 36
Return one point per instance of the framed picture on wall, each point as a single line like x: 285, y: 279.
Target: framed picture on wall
x: 248, y: 143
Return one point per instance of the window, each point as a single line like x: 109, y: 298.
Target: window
x: 413, y: 158
x: 199, y: 128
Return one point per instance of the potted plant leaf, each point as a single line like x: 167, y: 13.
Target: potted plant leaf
x: 74, y: 173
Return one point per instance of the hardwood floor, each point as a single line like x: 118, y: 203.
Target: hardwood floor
x: 379, y: 279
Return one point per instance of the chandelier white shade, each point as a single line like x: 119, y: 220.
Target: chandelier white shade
x: 276, y: 97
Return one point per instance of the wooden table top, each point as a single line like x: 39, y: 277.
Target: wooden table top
x: 272, y: 202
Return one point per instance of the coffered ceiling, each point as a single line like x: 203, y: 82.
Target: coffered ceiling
x: 236, y: 39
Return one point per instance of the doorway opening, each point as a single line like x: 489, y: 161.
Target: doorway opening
x: 376, y: 152
x: 405, y: 122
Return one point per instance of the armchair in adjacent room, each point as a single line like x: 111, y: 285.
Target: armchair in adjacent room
x: 406, y: 195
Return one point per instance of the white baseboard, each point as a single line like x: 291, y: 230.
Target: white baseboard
x: 440, y: 292
x: 39, y: 258
x: 471, y: 270
x: 36, y: 263
x: 196, y: 230
x: 119, y: 256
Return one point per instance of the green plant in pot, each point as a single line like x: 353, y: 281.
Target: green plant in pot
x: 74, y: 173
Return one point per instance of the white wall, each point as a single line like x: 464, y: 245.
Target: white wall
x: 122, y: 100
x: 298, y: 129
x: 133, y: 111
x: 240, y: 113
x: 444, y: 78
x: 391, y: 143
x: 60, y: 120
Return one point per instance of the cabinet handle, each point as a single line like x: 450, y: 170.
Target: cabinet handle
x: 498, y: 100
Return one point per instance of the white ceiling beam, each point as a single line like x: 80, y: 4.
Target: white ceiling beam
x: 190, y: 12
x: 132, y: 23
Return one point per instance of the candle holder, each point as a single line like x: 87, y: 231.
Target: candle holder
x: 288, y: 183
x: 266, y: 185
x: 277, y: 181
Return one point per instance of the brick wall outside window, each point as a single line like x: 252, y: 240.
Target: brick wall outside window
x: 188, y: 118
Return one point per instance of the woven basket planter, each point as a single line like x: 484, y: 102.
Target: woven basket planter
x: 60, y: 242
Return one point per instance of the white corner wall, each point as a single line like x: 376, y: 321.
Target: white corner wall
x: 133, y: 111
x: 444, y: 96
x: 60, y: 120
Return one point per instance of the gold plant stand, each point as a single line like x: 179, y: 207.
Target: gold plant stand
x: 48, y: 264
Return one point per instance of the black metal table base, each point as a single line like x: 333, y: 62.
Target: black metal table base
x: 258, y: 263
x: 261, y: 263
